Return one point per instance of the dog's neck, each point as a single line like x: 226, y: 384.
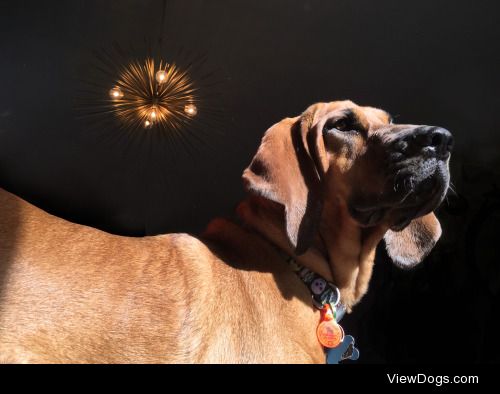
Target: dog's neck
x: 342, y: 252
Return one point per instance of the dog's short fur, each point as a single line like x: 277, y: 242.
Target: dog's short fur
x: 325, y: 187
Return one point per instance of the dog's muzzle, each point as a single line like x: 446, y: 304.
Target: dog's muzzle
x: 417, y: 176
x: 419, y: 158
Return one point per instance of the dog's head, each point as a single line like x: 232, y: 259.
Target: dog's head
x: 383, y: 174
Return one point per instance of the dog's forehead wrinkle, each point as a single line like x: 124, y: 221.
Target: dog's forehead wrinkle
x: 369, y: 117
x: 375, y: 114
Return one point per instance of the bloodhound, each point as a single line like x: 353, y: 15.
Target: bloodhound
x: 324, y: 189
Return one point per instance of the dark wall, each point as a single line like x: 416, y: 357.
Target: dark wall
x: 432, y: 62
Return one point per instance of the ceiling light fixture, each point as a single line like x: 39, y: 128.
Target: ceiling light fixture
x: 161, y: 95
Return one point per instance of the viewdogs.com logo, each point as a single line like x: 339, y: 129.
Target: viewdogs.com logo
x: 430, y: 379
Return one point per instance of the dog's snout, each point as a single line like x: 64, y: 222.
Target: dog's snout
x: 427, y: 140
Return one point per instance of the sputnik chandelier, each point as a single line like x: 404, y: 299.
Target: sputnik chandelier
x: 153, y: 95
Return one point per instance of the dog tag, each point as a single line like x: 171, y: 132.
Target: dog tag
x: 330, y: 334
x: 345, y: 351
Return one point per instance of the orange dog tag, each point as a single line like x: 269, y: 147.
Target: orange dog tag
x: 329, y: 333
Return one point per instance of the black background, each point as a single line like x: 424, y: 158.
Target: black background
x: 428, y: 62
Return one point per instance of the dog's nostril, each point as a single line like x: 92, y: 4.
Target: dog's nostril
x: 435, y: 137
x: 427, y: 140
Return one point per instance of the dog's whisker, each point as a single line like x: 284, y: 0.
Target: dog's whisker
x: 451, y: 187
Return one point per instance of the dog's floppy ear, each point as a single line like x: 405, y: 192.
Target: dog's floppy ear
x: 411, y: 245
x: 284, y: 170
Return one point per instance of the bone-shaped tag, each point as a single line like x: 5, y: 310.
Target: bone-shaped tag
x: 345, y: 350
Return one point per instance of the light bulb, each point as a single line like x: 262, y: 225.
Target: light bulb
x: 161, y: 76
x: 116, y: 93
x: 153, y: 114
x: 147, y: 124
x: 191, y: 110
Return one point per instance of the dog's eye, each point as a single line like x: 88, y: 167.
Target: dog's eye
x: 342, y: 124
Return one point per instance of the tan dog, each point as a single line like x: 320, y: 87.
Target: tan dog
x: 325, y: 187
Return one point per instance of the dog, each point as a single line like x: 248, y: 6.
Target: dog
x: 324, y: 188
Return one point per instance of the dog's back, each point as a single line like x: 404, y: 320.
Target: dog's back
x: 71, y: 293
x: 68, y: 290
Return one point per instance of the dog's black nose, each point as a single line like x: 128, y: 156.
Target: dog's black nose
x: 427, y: 140
x: 437, y: 138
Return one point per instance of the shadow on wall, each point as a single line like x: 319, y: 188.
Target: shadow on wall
x: 9, y: 226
